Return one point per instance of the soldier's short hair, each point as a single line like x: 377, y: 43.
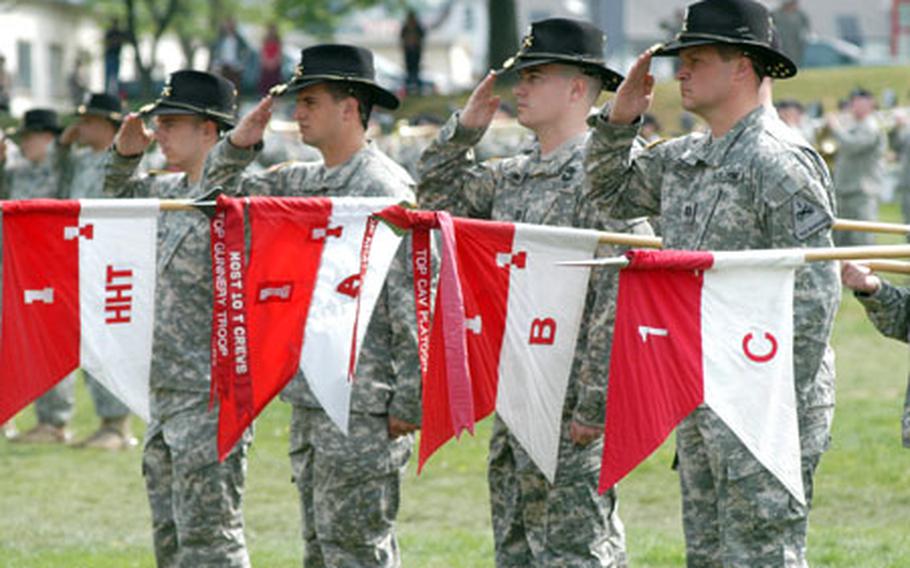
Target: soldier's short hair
x: 728, y: 52
x: 340, y: 90
x: 590, y: 76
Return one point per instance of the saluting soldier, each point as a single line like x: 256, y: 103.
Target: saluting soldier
x: 349, y: 485
x: 748, y: 183
x: 860, y: 168
x: 561, y: 74
x: 195, y: 500
x: 36, y: 176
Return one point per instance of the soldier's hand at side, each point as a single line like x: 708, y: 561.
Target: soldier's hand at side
x: 70, y: 135
x: 250, y: 129
x: 859, y: 278
x: 482, y: 104
x: 583, y: 435
x: 635, y: 94
x: 133, y: 137
x: 399, y: 427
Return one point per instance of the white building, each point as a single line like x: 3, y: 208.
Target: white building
x: 41, y: 40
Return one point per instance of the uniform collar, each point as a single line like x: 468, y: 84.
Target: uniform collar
x: 558, y: 158
x: 339, y: 176
x: 712, y: 151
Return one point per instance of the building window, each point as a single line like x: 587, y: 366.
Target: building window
x: 24, y: 64
x: 55, y: 69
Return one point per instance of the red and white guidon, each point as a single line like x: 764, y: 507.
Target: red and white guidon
x: 303, y: 293
x: 521, y: 315
x: 712, y: 328
x: 78, y: 291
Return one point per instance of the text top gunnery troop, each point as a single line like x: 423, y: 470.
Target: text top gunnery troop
x: 561, y: 73
x: 349, y: 485
x: 195, y: 500
x: 748, y: 183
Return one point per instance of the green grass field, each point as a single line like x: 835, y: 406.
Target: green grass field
x: 71, y: 508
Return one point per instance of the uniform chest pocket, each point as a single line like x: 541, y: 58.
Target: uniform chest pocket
x: 171, y: 240
x: 728, y: 176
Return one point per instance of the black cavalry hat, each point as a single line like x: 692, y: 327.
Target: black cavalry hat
x: 37, y: 120
x: 103, y: 105
x: 744, y: 23
x: 337, y: 62
x: 565, y: 41
x: 199, y: 93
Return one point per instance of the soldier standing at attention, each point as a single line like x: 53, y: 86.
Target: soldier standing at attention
x: 349, y: 485
x: 38, y: 176
x: 888, y: 307
x: 195, y: 499
x: 748, y: 183
x: 860, y: 169
x: 82, y: 176
x: 561, y: 74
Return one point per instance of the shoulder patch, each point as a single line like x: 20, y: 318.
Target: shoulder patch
x: 808, y: 218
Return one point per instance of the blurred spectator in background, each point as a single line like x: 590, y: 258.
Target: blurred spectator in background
x: 229, y: 53
x: 77, y: 82
x: 792, y: 28
x: 672, y: 25
x: 6, y: 85
x: 412, y: 34
x: 650, y: 128
x: 900, y: 143
x: 859, y: 167
x: 114, y: 38
x: 793, y: 114
x: 270, y: 60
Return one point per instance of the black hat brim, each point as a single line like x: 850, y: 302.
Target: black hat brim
x: 19, y: 132
x: 115, y: 117
x: 610, y: 80
x: 777, y: 65
x: 162, y: 108
x: 381, y: 97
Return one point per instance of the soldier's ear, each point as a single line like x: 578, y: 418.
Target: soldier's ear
x: 578, y: 88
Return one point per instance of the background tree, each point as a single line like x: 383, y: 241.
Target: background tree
x: 503, y: 33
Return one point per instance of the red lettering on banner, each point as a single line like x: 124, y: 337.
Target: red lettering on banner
x: 229, y: 341
x: 543, y: 331
x: 760, y: 358
x: 118, y: 298
x: 350, y: 286
x: 420, y: 264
